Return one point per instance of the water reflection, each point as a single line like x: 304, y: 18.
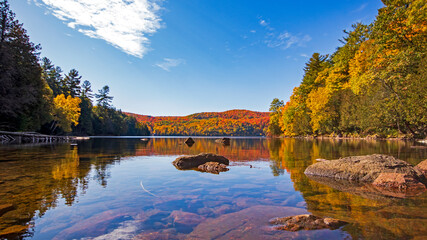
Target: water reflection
x: 37, y: 179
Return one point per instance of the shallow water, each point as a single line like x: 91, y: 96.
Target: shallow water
x: 128, y: 189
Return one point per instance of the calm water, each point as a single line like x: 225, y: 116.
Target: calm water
x: 128, y: 189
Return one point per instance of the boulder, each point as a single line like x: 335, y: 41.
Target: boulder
x: 363, y: 168
x: 213, y: 167
x: 422, y: 167
x: 306, y: 222
x: 189, y: 141
x: 193, y: 161
x: 398, y: 182
x: 223, y: 141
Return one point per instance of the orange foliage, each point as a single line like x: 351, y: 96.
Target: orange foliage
x: 229, y: 123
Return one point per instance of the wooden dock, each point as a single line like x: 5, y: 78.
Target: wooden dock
x: 30, y: 137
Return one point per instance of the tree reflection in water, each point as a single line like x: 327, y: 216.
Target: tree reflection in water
x: 38, y: 178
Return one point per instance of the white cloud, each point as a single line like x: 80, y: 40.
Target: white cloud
x: 304, y: 55
x: 169, y: 63
x: 126, y: 24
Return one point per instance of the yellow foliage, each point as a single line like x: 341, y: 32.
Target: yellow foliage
x: 317, y: 102
x: 66, y: 111
x: 360, y: 65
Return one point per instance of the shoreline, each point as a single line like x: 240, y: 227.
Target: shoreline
x: 420, y: 140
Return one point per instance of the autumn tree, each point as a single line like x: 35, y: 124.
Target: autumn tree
x: 275, y: 112
x: 375, y: 83
x: 66, y: 112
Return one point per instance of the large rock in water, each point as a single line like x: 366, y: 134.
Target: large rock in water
x: 189, y: 141
x: 193, y: 161
x: 363, y: 168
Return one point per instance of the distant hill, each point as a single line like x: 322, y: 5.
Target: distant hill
x: 228, y: 123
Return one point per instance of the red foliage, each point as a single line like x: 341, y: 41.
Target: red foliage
x: 228, y: 123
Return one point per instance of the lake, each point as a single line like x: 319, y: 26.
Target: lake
x: 125, y: 188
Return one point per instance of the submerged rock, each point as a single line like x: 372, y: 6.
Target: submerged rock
x: 213, y: 167
x: 4, y: 208
x: 157, y: 235
x: 363, y: 168
x: 249, y: 223
x: 185, y: 218
x: 223, y: 141
x: 193, y: 161
x: 306, y: 222
x: 398, y: 182
x: 13, y: 230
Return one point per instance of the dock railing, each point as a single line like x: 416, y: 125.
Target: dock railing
x: 30, y: 137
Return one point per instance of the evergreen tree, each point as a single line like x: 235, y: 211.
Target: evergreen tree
x: 85, y: 126
x: 71, y: 86
x: 102, y: 97
x: 86, y: 89
x: 24, y: 95
x: 53, y: 76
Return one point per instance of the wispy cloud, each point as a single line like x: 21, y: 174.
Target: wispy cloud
x: 169, y: 63
x: 262, y: 22
x: 359, y: 9
x: 126, y: 24
x: 304, y: 55
x: 285, y: 40
x: 282, y: 40
x: 265, y: 24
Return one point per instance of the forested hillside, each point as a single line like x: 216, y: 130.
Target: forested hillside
x: 374, y: 84
x: 35, y: 95
x: 229, y: 123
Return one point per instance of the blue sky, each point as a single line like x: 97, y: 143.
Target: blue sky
x: 181, y: 57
